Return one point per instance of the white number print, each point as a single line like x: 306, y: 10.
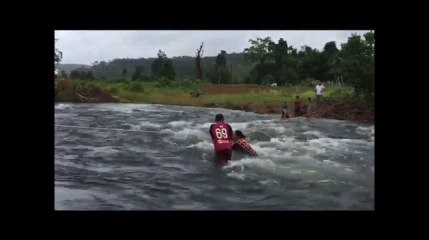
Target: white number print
x: 221, y: 133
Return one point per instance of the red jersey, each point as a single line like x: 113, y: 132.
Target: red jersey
x: 221, y: 135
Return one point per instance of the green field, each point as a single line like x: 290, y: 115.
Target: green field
x: 178, y: 93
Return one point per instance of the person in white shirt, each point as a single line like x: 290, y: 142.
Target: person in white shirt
x: 319, y: 91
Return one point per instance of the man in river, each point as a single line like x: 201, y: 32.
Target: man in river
x: 309, y: 105
x: 241, y: 144
x: 285, y: 113
x: 221, y: 133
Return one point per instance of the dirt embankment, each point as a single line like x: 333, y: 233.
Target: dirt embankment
x: 348, y: 110
x: 237, y: 89
x: 67, y: 91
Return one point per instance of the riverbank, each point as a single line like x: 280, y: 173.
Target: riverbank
x: 250, y: 98
x: 347, y: 110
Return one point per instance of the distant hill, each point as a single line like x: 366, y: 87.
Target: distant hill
x: 70, y: 67
x: 185, y: 67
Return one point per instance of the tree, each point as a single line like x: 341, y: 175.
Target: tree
x: 369, y: 43
x: 330, y: 49
x: 311, y: 64
x: 138, y: 73
x: 221, y: 59
x: 162, y: 54
x: 357, y: 63
x: 168, y: 69
x: 280, y: 53
x: 90, y: 75
x: 259, y: 51
x: 58, y: 55
x: 163, y: 67
x: 274, y: 61
x: 331, y: 62
x: 222, y: 73
x: 334, y: 65
x: 74, y: 74
x: 124, y: 72
x: 199, y: 63
x: 230, y: 73
x: 291, y: 76
x: 157, y: 65
x: 353, y: 47
x: 267, y: 79
x: 63, y: 74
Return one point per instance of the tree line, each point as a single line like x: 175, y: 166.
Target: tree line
x: 263, y: 62
x: 284, y: 64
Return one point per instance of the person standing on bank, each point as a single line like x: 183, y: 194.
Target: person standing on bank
x: 319, y: 91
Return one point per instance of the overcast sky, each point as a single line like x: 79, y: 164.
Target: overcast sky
x: 86, y: 47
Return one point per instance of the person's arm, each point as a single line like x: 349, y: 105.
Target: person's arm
x: 235, y: 146
x: 247, y: 148
x: 238, y: 147
x: 229, y: 132
x: 211, y: 132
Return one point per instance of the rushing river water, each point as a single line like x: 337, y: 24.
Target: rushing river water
x: 155, y: 157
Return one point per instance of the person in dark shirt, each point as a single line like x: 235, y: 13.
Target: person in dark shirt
x: 298, y: 106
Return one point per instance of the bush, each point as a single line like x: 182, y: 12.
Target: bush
x: 186, y: 82
x: 342, y: 93
x: 64, y: 85
x: 65, y: 96
x: 310, y: 82
x: 136, y: 87
x: 121, y: 80
x: 290, y: 76
x: 79, y: 86
x: 113, y: 90
x: 95, y: 90
x: 91, y: 85
x: 267, y: 79
x: 163, y: 82
x: 146, y: 79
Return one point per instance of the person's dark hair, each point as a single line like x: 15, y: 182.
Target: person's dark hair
x: 309, y: 99
x: 219, y: 117
x: 239, y: 134
x: 297, y: 97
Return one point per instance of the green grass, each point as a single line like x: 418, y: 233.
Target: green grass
x: 341, y: 94
x: 178, y: 93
